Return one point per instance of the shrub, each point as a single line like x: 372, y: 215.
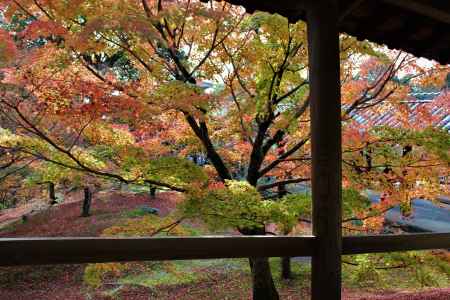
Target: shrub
x: 95, y: 274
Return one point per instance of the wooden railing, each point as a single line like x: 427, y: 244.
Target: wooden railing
x: 32, y: 251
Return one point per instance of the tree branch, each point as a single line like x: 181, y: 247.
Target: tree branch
x: 281, y: 183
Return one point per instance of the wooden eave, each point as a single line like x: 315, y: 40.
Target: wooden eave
x: 420, y: 27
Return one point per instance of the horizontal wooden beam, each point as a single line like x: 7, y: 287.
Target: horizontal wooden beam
x: 392, y: 243
x: 35, y: 251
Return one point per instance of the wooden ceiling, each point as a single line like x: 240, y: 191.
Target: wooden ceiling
x: 420, y: 27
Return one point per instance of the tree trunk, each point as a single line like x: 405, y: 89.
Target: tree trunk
x: 263, y: 285
x: 152, y: 192
x: 86, y: 202
x: 51, y: 193
x: 286, y: 272
x: 262, y: 280
x: 282, y: 191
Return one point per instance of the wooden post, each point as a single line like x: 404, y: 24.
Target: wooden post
x: 323, y: 40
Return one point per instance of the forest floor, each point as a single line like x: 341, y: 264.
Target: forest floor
x: 206, y: 279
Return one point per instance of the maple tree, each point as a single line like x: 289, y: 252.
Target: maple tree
x: 127, y: 90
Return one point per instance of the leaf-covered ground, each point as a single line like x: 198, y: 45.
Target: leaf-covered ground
x: 107, y: 209
x: 209, y: 279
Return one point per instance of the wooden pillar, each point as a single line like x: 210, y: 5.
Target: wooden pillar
x: 323, y: 40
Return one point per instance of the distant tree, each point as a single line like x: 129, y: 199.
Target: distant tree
x: 87, y: 200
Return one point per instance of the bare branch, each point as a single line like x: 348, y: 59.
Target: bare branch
x: 281, y: 183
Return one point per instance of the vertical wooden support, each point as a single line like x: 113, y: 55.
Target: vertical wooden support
x: 323, y: 40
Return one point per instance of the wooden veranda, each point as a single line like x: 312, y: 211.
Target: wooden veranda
x: 421, y: 27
